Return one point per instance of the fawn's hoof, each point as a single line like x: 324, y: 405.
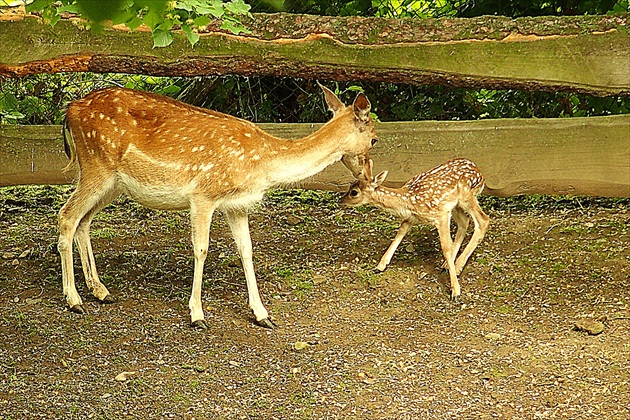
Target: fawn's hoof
x: 108, y: 299
x: 266, y: 323
x: 199, y: 324
x: 77, y: 309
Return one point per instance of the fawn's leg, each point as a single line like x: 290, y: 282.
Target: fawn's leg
x: 462, y: 222
x: 482, y: 221
x: 443, y: 226
x: 387, y: 257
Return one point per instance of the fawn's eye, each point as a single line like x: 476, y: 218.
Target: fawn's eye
x: 374, y: 141
x: 354, y: 193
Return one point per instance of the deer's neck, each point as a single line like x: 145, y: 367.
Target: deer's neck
x: 396, y: 201
x: 299, y: 159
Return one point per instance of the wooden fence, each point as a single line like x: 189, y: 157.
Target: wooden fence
x: 587, y: 54
x: 589, y: 156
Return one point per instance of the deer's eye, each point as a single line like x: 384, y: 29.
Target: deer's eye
x: 354, y: 193
x: 374, y: 141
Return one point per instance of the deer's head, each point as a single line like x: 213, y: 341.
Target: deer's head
x: 361, y: 133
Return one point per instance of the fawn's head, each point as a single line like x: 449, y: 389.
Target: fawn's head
x: 361, y: 190
x: 362, y: 135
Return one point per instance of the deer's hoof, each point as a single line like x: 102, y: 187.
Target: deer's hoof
x: 455, y: 298
x: 199, y: 324
x: 266, y: 323
x: 108, y: 299
x: 77, y: 309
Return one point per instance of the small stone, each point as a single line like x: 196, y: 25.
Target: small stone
x: 590, y: 326
x: 125, y: 376
x: 25, y: 254
x: 300, y: 345
x: 293, y: 220
x: 410, y: 248
x: 319, y: 279
x: 493, y: 336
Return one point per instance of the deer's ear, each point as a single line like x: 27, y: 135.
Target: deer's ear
x: 362, y: 107
x: 334, y: 104
x: 380, y: 178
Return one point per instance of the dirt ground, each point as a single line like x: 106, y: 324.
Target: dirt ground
x: 350, y: 344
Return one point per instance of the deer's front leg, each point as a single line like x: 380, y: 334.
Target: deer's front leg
x: 444, y: 231
x: 239, y: 225
x: 201, y: 217
x: 387, y: 257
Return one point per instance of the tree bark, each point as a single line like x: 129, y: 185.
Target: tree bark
x: 587, y: 54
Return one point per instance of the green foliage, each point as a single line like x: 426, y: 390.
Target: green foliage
x: 42, y: 99
x: 161, y: 16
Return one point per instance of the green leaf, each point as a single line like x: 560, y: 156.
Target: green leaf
x: 134, y: 23
x: 162, y: 38
x: 202, y: 21
x: 193, y: 37
x: 234, y: 26
x: 214, y: 8
x: 38, y: 5
x: 152, y: 20
x: 166, y: 25
x: 237, y: 7
x: 69, y: 8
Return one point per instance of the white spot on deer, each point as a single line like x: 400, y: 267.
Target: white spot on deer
x: 248, y: 134
x: 89, y: 135
x: 194, y: 167
x: 256, y: 157
x: 194, y: 149
x: 119, y: 109
x: 101, y: 115
x: 201, y: 148
x: 134, y: 122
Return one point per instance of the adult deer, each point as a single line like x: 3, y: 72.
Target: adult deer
x: 169, y: 155
x: 434, y: 196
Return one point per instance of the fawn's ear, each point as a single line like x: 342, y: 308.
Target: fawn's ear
x: 362, y: 107
x: 378, y: 179
x: 334, y: 104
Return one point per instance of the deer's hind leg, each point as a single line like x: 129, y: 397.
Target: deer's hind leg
x: 83, y: 202
x: 84, y: 245
x: 481, y: 221
x: 462, y: 221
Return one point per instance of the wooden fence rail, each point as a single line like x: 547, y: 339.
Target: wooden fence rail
x: 581, y: 156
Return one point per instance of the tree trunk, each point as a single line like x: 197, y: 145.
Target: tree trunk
x: 587, y: 54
